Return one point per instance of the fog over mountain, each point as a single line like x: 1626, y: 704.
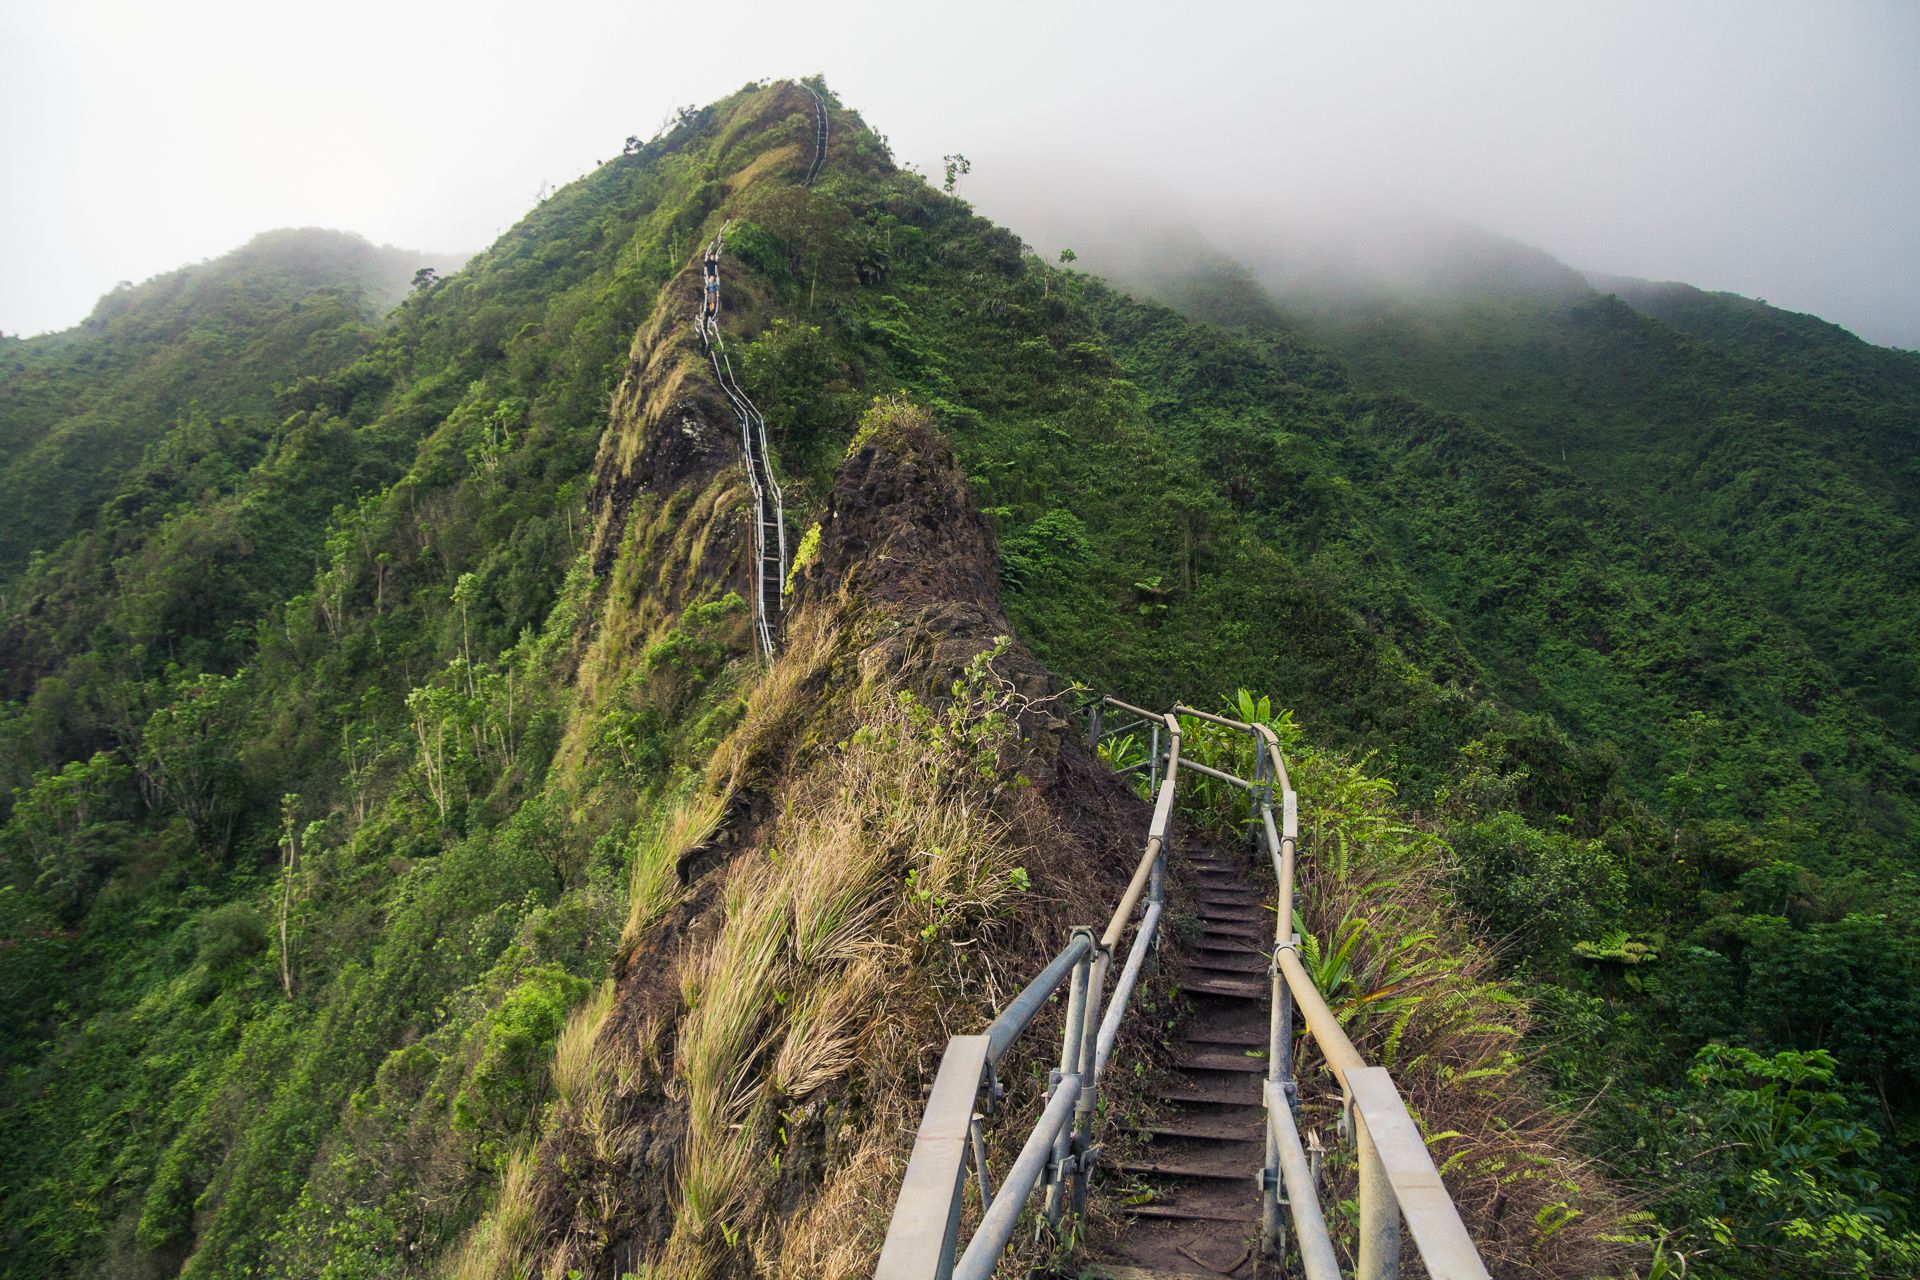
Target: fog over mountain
x: 1759, y: 148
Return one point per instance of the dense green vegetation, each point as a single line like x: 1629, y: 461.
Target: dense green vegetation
x: 1779, y: 445
x: 284, y: 942
x: 1686, y: 599
x: 333, y: 749
x: 189, y: 363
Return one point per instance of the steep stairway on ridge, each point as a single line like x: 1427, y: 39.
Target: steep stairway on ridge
x: 1195, y: 1157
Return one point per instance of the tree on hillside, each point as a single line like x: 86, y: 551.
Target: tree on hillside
x: 958, y: 167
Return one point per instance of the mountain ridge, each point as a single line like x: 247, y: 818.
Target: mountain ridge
x: 346, y: 796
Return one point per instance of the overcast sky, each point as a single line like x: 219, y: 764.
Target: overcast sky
x: 1771, y: 149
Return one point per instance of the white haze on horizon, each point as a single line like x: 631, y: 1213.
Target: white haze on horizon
x: 1763, y: 148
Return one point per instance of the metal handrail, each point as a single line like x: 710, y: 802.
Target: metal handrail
x: 1397, y: 1175
x: 924, y: 1233
x: 1398, y: 1179
x: 766, y: 511
x: 820, y: 125
x: 1317, y: 1258
x: 1006, y: 1028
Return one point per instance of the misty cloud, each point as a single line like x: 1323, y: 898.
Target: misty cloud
x: 1762, y: 148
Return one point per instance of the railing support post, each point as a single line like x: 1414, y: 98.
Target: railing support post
x: 1273, y: 1236
x: 1379, y: 1213
x: 1088, y: 1068
x: 1093, y: 728
x: 978, y: 1141
x: 1072, y: 1046
x: 1279, y: 1073
x: 1153, y: 770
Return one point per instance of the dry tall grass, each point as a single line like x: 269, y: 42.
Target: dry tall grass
x: 573, y: 1051
x: 886, y: 850
x: 501, y: 1244
x: 654, y: 881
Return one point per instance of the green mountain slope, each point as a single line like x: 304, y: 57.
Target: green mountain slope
x: 205, y: 345
x: 1780, y: 445
x: 348, y: 758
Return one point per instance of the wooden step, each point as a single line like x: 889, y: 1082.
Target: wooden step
x: 1233, y: 915
x: 1221, y: 1091
x: 1198, y: 1213
x: 1229, y: 947
x: 1202, y: 1130
x: 1214, y: 962
x: 1227, y: 937
x: 1222, y: 987
x: 1232, y: 901
x: 1181, y: 1169
x: 1236, y: 1063
x: 1248, y: 1039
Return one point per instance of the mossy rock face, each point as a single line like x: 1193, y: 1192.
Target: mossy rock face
x: 909, y: 567
x: 901, y: 527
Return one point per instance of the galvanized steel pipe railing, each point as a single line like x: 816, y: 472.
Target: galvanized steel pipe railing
x: 769, y: 506
x: 1398, y: 1179
x: 924, y: 1234
x: 1282, y: 1137
x: 819, y: 135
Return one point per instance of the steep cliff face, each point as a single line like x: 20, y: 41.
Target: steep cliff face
x: 669, y: 427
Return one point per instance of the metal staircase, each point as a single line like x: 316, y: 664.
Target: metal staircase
x: 1237, y: 1111
x: 769, y: 509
